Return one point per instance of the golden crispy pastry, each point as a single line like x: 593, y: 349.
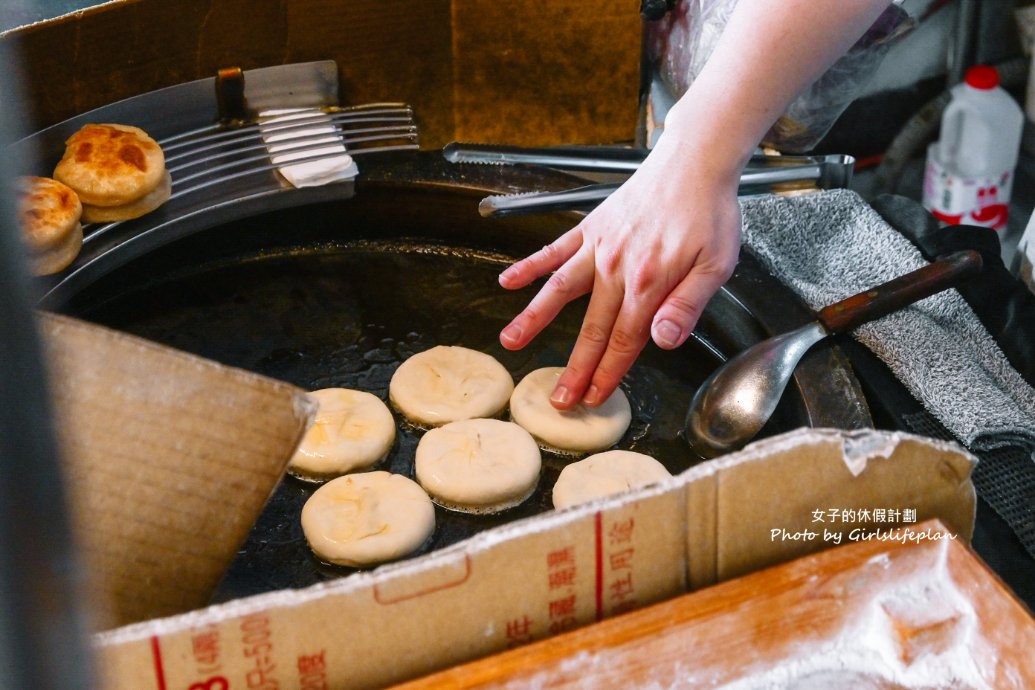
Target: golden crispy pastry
x: 147, y: 203
x: 115, y: 167
x: 49, y: 214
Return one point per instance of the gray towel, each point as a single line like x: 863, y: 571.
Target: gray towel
x: 830, y: 245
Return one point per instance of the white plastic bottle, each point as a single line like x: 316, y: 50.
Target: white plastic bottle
x: 969, y: 174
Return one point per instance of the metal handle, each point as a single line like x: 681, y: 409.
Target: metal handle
x: 763, y: 173
x: 827, y: 171
x: 900, y: 292
x: 616, y: 159
x: 578, y: 199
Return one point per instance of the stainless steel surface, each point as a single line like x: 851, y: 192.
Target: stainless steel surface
x: 215, y: 166
x: 578, y: 199
x: 762, y: 175
x: 830, y: 170
x: 217, y: 155
x: 616, y: 159
x: 359, y: 124
x: 735, y: 402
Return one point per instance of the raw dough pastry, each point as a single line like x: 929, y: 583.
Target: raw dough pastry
x: 446, y: 384
x: 605, y: 474
x: 478, y: 465
x: 364, y: 519
x: 573, y: 432
x: 353, y: 430
x: 49, y: 213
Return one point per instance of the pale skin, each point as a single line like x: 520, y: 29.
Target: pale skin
x: 653, y: 254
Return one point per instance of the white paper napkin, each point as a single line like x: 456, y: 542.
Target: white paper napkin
x: 312, y: 173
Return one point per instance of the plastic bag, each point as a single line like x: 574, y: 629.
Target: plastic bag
x: 680, y: 44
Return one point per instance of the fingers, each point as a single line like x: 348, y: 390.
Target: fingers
x: 548, y: 259
x: 628, y: 338
x: 680, y: 311
x: 593, y: 341
x: 572, y: 280
x: 672, y: 323
x: 648, y: 280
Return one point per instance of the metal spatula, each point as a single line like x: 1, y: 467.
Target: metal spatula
x: 735, y: 402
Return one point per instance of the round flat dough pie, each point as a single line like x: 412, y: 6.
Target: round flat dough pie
x: 478, y: 465
x: 118, y: 171
x: 573, y: 432
x: 605, y: 474
x: 364, y: 519
x: 446, y: 384
x: 49, y: 214
x: 353, y: 430
x: 145, y: 204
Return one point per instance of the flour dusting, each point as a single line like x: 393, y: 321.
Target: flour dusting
x: 920, y: 635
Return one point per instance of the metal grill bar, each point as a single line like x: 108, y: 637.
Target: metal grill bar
x: 217, y: 133
x: 295, y: 144
x: 267, y: 166
x: 213, y: 150
x: 367, y: 109
x: 218, y: 154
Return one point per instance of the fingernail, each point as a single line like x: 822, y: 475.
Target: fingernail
x: 666, y: 333
x: 507, y: 274
x: 592, y: 396
x: 511, y: 333
x: 561, y: 395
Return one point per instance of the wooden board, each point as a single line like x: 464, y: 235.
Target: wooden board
x: 522, y: 72
x: 871, y: 614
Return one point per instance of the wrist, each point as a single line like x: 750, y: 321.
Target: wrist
x: 700, y: 159
x: 710, y: 128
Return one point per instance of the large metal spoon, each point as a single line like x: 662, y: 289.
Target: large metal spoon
x: 735, y: 402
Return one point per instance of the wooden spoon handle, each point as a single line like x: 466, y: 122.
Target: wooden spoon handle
x: 900, y: 292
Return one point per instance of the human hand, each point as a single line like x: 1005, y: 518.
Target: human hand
x: 652, y: 255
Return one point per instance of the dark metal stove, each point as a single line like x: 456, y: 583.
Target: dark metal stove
x: 335, y: 285
x: 338, y: 293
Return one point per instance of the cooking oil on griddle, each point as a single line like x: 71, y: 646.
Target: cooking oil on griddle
x: 348, y: 315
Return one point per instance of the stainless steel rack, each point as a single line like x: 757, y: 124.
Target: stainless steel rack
x: 214, y: 133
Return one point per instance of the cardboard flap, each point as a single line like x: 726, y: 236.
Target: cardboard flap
x: 169, y: 459
x: 802, y: 499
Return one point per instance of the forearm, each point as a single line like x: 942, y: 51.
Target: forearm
x: 769, y: 52
x: 656, y: 250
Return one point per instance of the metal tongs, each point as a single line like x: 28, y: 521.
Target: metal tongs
x: 763, y: 173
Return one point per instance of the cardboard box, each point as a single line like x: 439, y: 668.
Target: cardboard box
x: 168, y: 458
x: 778, y: 499
x: 520, y: 72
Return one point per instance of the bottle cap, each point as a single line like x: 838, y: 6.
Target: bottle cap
x: 983, y: 77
